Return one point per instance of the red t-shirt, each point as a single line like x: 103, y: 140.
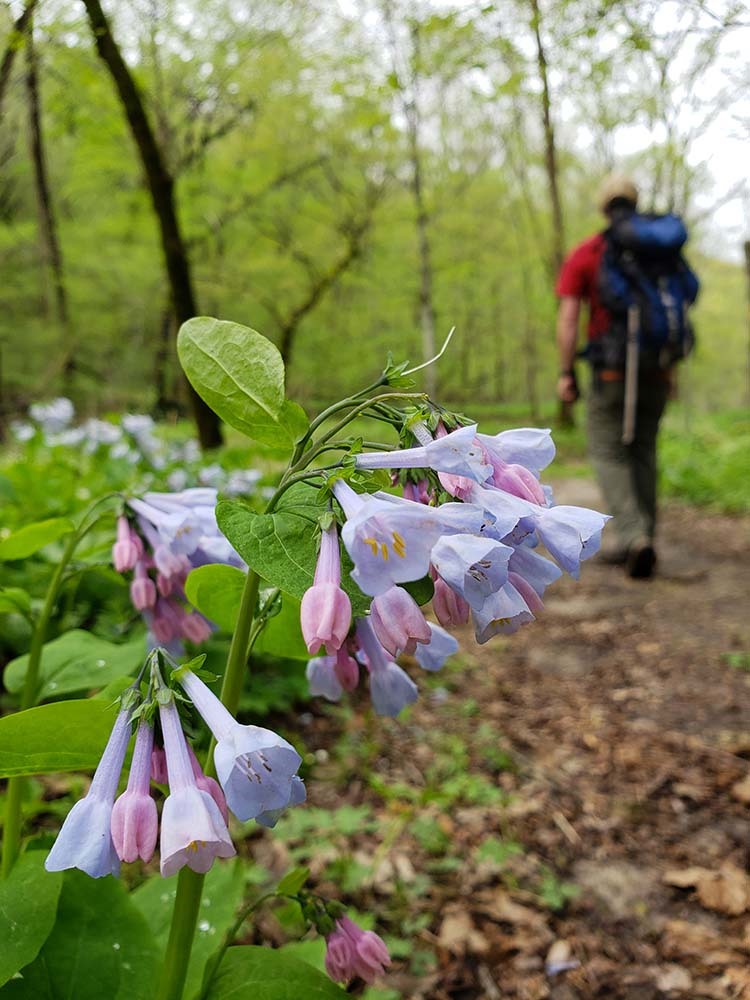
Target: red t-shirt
x: 578, y: 278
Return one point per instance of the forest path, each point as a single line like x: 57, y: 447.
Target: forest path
x: 627, y: 729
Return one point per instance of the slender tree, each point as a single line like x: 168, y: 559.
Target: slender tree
x: 161, y: 188
x: 17, y: 34
x: 48, y: 230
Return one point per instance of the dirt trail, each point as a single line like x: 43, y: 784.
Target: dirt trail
x: 631, y: 736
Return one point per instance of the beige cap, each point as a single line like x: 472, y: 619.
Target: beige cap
x: 616, y: 186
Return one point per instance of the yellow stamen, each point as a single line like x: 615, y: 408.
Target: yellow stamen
x: 373, y: 545
x: 399, y: 545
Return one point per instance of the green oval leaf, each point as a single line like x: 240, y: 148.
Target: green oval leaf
x: 77, y: 661
x: 61, y: 736
x: 28, y: 904
x: 240, y: 374
x: 216, y: 591
x: 249, y: 972
x: 282, y: 547
x: 99, y: 947
x: 14, y: 599
x: 32, y: 537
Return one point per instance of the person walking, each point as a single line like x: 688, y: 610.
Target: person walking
x: 637, y: 288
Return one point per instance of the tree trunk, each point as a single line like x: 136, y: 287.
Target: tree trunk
x: 550, y: 151
x: 18, y: 31
x: 161, y: 189
x: 50, y: 243
x: 426, y: 303
x: 565, y: 410
x: 747, y: 272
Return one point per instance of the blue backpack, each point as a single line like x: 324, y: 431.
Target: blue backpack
x: 643, y: 273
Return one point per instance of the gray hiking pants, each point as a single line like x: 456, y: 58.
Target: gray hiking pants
x: 627, y: 473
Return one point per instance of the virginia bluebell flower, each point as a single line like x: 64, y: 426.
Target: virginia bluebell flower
x: 326, y: 611
x: 85, y: 839
x: 391, y: 688
x: 135, y: 821
x: 256, y: 768
x: 193, y: 831
x: 353, y: 952
x: 457, y: 453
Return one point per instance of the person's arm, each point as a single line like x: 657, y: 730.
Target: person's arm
x: 567, y: 340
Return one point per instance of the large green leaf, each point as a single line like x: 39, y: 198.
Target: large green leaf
x: 32, y: 537
x: 248, y: 972
x: 28, y: 904
x: 282, y: 635
x: 223, y: 890
x: 100, y: 947
x: 78, y: 661
x: 14, y: 599
x: 61, y: 736
x: 240, y: 374
x: 216, y: 591
x: 282, y: 547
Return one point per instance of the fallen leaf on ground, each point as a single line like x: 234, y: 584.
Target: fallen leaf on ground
x: 726, y: 890
x: 458, y: 934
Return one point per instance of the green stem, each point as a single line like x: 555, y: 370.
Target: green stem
x: 189, y: 883
x: 329, y: 411
x: 14, y: 793
x: 361, y: 407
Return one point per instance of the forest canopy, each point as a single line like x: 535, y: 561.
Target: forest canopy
x: 347, y: 177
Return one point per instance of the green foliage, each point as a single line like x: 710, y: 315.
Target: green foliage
x: 704, y: 460
x: 282, y: 547
x: 78, y: 661
x: 252, y: 973
x: 28, y: 904
x: 99, y: 947
x: 32, y: 537
x: 556, y: 893
x: 61, y: 736
x: 223, y: 892
x: 216, y: 591
x: 240, y: 374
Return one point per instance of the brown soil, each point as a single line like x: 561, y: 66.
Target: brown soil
x: 627, y: 730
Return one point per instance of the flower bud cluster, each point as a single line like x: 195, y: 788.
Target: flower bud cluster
x: 257, y: 779
x: 163, y: 537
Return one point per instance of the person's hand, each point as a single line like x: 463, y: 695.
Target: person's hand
x: 567, y: 388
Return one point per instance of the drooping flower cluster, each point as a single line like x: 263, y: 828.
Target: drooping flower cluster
x: 257, y: 779
x: 353, y: 952
x: 479, y: 549
x: 165, y: 536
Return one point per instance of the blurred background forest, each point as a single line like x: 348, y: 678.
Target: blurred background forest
x: 352, y: 177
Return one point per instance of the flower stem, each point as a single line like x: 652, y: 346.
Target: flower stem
x: 14, y: 793
x: 189, y: 883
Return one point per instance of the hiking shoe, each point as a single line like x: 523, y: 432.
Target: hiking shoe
x: 641, y: 560
x: 612, y: 556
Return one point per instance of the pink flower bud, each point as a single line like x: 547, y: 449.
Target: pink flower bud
x: 353, y: 952
x: 346, y: 670
x: 135, y: 821
x: 142, y: 589
x: 195, y: 628
x: 418, y: 492
x: 167, y: 621
x: 164, y: 584
x: 518, y: 481
x: 451, y: 610
x: 398, y: 622
x: 207, y: 784
x: 326, y: 611
x: 125, y: 553
x: 159, y: 766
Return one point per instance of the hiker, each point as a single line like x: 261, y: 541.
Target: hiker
x: 637, y: 287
